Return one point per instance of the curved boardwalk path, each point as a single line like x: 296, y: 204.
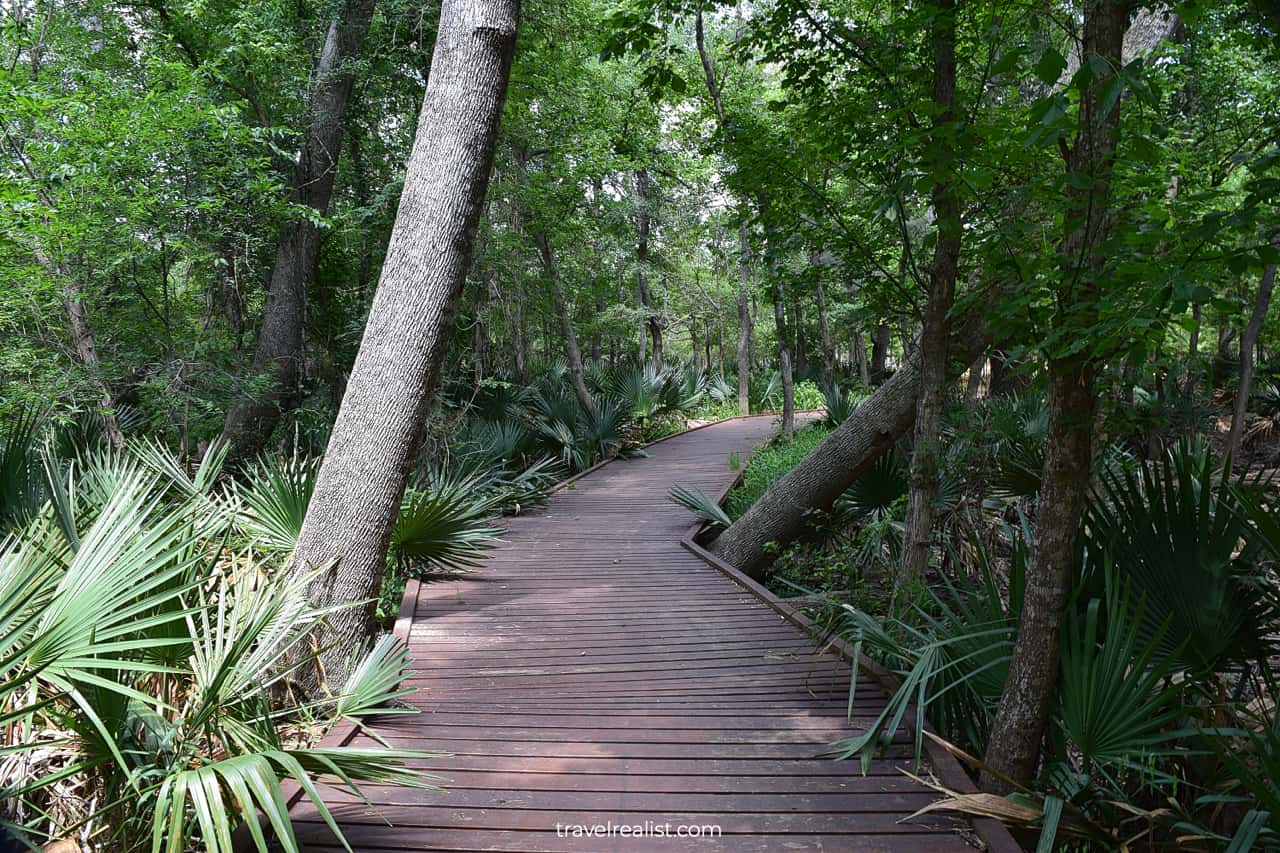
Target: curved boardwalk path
x: 594, y: 671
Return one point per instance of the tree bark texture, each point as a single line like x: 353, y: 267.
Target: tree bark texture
x: 375, y: 438
x: 926, y: 454
x: 279, y: 348
x: 1023, y: 714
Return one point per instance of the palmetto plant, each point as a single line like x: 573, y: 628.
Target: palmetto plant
x: 646, y: 392
x: 877, y: 492
x: 1017, y: 428
x: 445, y: 521
x: 952, y: 658
x: 275, y: 500
x: 840, y: 402
x: 144, y: 672
x: 1177, y: 530
x: 720, y: 390
x: 21, y: 480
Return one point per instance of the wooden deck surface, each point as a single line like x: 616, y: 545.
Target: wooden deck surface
x: 594, y: 672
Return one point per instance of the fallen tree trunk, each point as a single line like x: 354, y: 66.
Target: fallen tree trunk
x: 835, y: 464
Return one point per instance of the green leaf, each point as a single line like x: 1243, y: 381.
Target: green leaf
x: 1050, y: 66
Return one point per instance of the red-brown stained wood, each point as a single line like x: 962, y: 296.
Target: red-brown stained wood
x: 593, y: 670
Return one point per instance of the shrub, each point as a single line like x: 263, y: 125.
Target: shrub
x: 146, y: 687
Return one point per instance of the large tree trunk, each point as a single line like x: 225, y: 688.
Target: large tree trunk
x: 1023, y: 714
x: 375, y: 438
x: 279, y: 348
x: 643, y: 215
x: 926, y: 454
x: 1247, y: 343
x: 781, y: 513
x: 571, y: 352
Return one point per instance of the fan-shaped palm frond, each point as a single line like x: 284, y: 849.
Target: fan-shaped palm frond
x: 877, y: 492
x: 1176, y: 531
x: 21, y: 479
x: 444, y: 523
x: 700, y: 505
x: 274, y: 501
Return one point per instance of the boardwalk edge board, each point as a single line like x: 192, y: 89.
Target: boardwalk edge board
x: 994, y: 834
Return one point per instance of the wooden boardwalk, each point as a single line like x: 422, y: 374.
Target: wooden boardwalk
x: 596, y: 673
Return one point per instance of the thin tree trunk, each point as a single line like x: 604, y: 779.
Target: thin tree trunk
x: 974, y: 384
x: 1247, y: 342
x: 797, y: 320
x: 880, y: 352
x: 824, y: 334
x: 375, y: 438
x: 694, y: 345
x: 595, y: 332
x: 87, y: 350
x: 1023, y: 713
x: 779, y: 516
x: 279, y: 348
x: 571, y: 352
x: 926, y: 454
x: 643, y: 202
x: 744, y: 241
x: 1193, y: 353
x: 784, y: 355
x: 860, y: 356
x: 744, y: 322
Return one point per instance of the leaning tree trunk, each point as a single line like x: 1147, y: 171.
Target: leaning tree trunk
x: 781, y: 513
x: 926, y: 453
x: 643, y: 212
x: 1023, y: 713
x: 375, y: 438
x: 279, y: 349
x: 1247, y: 343
x: 571, y: 352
